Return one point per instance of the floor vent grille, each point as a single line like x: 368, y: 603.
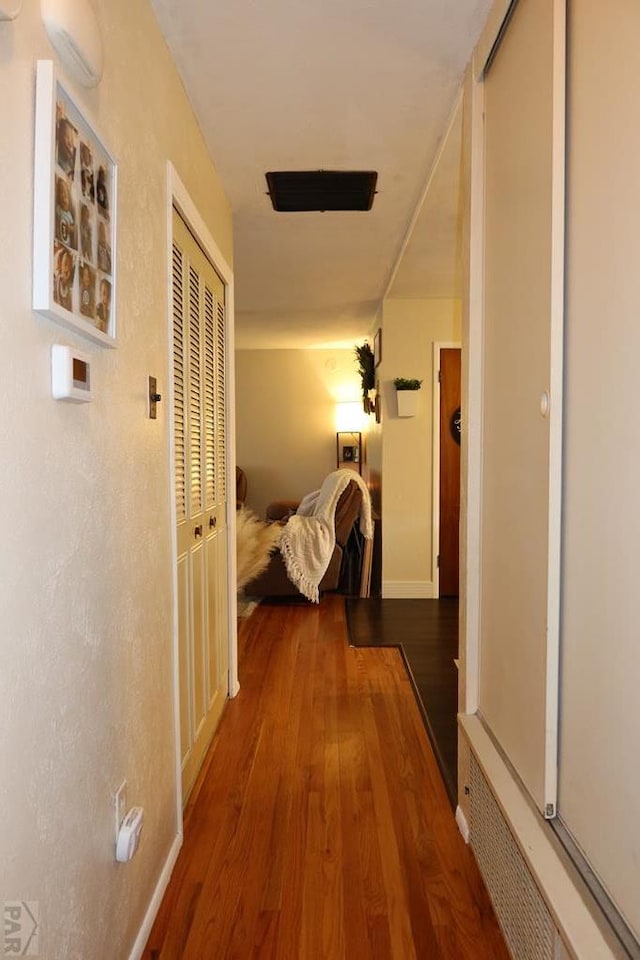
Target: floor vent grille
x: 522, y: 913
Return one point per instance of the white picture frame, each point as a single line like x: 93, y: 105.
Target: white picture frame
x: 74, y: 218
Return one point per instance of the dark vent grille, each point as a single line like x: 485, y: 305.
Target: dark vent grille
x: 294, y: 192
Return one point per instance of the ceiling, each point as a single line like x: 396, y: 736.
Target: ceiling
x: 334, y: 85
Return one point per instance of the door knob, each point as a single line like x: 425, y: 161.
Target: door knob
x: 212, y: 522
x: 198, y: 531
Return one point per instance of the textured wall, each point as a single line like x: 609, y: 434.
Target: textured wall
x: 85, y: 564
x: 410, y: 329
x: 286, y: 418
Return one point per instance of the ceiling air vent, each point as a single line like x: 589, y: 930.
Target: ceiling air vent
x: 297, y: 191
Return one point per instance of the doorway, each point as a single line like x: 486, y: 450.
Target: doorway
x: 446, y: 474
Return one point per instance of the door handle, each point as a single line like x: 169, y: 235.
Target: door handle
x: 212, y: 522
x: 198, y: 531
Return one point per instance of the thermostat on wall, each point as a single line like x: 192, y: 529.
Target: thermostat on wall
x: 70, y: 374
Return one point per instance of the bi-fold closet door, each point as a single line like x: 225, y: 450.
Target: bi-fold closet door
x: 523, y: 254
x: 199, y: 430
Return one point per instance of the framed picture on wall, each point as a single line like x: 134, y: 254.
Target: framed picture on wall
x: 377, y: 348
x: 74, y: 220
x: 348, y: 450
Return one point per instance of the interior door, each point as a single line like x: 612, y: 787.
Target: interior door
x: 201, y: 496
x: 524, y: 98
x: 449, y: 523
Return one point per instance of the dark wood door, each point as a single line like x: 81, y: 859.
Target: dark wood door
x: 449, y: 471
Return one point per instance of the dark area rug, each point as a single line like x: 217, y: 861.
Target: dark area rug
x: 426, y: 631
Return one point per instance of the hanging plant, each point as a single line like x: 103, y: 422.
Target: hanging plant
x: 407, y: 395
x: 366, y: 369
x: 402, y: 383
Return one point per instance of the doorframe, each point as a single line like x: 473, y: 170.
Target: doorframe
x: 472, y: 385
x: 438, y: 346
x: 178, y: 198
x: 473, y: 374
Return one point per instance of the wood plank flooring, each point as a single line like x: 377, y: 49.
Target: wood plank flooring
x: 427, y: 633
x: 320, y: 828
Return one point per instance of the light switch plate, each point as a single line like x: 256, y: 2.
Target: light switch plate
x: 154, y: 398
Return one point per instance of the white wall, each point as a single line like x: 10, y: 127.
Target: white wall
x: 286, y: 419
x: 85, y: 565
x: 410, y: 328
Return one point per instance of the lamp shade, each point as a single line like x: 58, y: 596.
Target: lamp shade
x: 350, y: 416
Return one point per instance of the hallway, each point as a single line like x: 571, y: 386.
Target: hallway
x: 320, y: 826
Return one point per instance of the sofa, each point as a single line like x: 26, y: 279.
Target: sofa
x: 274, y: 582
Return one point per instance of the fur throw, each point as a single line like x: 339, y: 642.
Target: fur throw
x: 255, y: 542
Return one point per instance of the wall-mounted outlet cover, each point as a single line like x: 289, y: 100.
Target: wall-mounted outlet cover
x: 129, y: 836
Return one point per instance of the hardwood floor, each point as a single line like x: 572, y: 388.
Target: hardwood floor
x: 320, y: 828
x: 427, y: 633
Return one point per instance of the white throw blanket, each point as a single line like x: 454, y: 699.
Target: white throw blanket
x: 309, y: 537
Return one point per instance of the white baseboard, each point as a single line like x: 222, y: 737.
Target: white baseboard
x: 407, y: 589
x: 463, y: 826
x: 156, y: 899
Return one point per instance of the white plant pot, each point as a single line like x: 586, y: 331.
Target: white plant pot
x: 407, y: 402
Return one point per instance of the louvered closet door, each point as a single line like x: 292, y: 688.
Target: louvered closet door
x: 200, y: 482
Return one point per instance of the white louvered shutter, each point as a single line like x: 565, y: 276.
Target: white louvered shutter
x: 179, y: 385
x: 209, y: 382
x: 201, y: 535
x: 221, y: 400
x: 195, y: 394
